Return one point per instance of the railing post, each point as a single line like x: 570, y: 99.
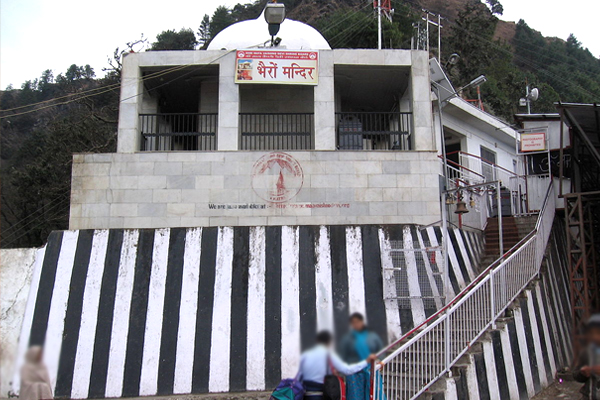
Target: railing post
x: 448, y: 342
x: 445, y: 247
x: 492, y: 299
x: 500, y: 234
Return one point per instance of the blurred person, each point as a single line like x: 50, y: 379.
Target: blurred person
x: 354, y: 347
x: 35, y: 381
x: 316, y: 363
x: 588, y: 363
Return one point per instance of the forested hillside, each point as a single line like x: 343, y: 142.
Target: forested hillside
x: 76, y: 111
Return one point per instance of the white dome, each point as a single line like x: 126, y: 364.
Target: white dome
x: 294, y: 35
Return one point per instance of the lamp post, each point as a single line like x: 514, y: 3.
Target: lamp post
x: 446, y: 190
x: 475, y: 82
x: 274, y: 15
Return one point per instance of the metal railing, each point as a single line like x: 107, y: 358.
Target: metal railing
x: 429, y: 351
x: 460, y: 176
x: 178, y: 132
x: 276, y: 131
x: 419, y: 258
x: 515, y: 183
x: 456, y: 172
x: 374, y: 130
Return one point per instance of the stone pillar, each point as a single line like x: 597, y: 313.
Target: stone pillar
x: 325, y: 104
x: 423, y: 132
x: 130, y: 106
x: 229, y: 105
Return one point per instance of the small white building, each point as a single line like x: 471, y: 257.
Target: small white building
x: 542, y: 165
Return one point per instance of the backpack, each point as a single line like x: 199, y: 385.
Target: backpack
x: 289, y: 389
x: 334, y: 387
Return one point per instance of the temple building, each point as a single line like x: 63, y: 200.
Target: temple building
x: 268, y: 187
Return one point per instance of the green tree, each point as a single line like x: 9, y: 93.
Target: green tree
x: 347, y: 28
x: 185, y: 39
x: 569, y: 69
x: 471, y: 37
x: 75, y: 73
x: 204, y: 31
x: 220, y: 20
x: 242, y: 12
x: 37, y: 151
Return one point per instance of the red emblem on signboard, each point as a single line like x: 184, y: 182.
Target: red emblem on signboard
x: 277, y: 177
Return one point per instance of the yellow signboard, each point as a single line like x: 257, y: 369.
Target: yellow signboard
x: 533, y: 142
x: 277, y: 66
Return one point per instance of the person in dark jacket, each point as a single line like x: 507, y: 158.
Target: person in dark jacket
x: 356, y: 346
x: 588, y: 363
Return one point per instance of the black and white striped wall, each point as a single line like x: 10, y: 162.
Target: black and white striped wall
x: 522, y: 357
x: 126, y: 313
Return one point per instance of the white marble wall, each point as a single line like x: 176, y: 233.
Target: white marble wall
x: 170, y: 189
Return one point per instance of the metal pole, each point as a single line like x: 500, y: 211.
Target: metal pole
x: 492, y: 300
x: 427, y: 22
x: 500, y: 219
x: 443, y: 139
x: 447, y: 343
x: 561, y: 156
x: 380, y: 34
x: 439, y: 38
x: 527, y: 98
x: 445, y: 247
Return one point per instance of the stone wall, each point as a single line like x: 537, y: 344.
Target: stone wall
x: 152, y: 190
x: 16, y: 269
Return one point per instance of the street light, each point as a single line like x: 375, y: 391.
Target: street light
x: 447, y: 197
x: 274, y: 15
x: 475, y: 82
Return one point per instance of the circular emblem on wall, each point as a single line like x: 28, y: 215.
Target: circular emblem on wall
x: 277, y: 177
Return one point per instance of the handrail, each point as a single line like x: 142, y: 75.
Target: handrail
x: 175, y: 114
x: 514, y: 182
x: 472, y: 311
x: 462, y: 293
x: 484, y: 160
x: 459, y: 167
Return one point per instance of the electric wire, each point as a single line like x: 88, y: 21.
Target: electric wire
x: 114, y: 85
x: 200, y: 67
x: 35, y: 215
x: 154, y: 74
x: 60, y: 211
x: 162, y: 73
x: 350, y: 14
x: 351, y: 35
x: 105, y: 89
x: 347, y: 32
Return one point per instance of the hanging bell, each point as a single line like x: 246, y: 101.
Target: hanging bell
x: 461, y: 208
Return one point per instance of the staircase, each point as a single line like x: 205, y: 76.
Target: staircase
x: 513, y: 230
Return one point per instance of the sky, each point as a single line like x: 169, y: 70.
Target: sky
x: 36, y: 35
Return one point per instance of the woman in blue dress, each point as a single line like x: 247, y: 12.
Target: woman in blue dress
x: 356, y: 346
